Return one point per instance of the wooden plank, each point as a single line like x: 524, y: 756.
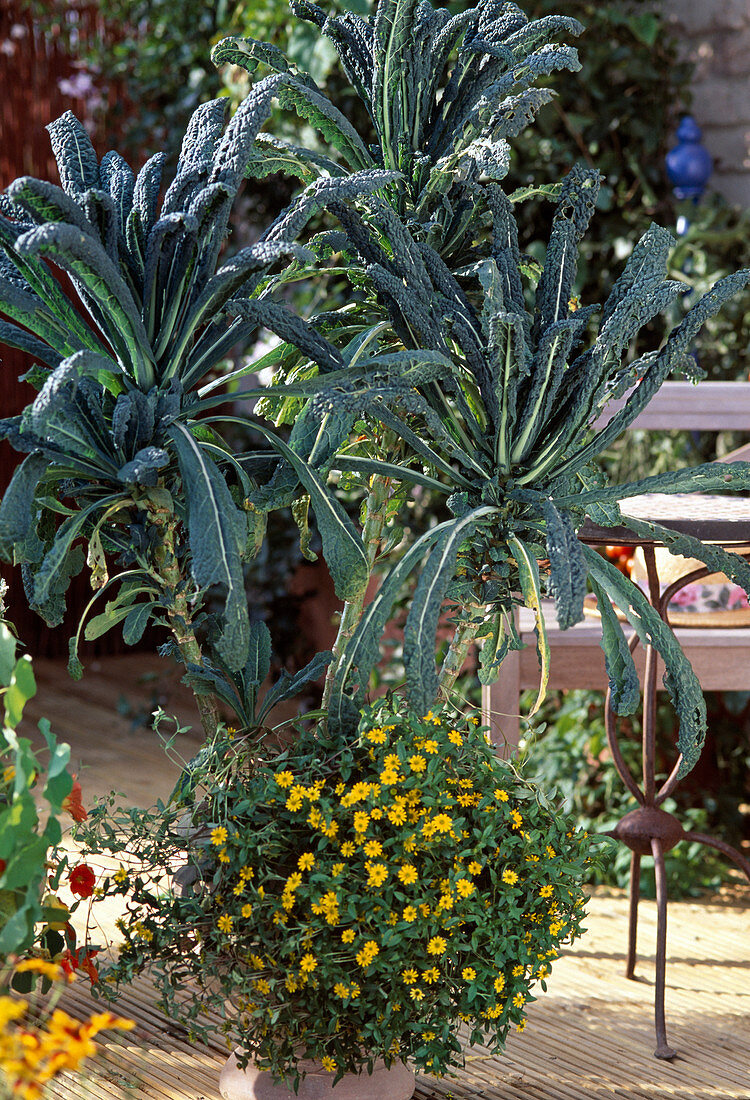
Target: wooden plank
x: 709, y: 406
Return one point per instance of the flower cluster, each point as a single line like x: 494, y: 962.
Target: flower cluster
x: 35, y: 1050
x: 359, y: 901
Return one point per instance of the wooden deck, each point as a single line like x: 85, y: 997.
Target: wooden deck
x: 591, y: 1035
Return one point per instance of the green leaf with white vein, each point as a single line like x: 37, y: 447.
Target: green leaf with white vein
x: 217, y: 533
x: 528, y: 575
x: 679, y: 678
x: 422, y: 622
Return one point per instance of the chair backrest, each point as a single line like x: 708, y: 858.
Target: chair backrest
x: 689, y: 406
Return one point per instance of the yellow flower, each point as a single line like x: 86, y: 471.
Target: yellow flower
x: 223, y: 857
x: 494, y: 1012
x: 41, y: 966
x: 510, y: 877
x: 518, y: 971
x: 308, y: 963
x: 247, y: 911
x: 284, y: 778
x: 408, y: 874
x: 475, y: 868
x: 392, y: 760
x: 247, y: 873
x: 389, y: 776
x: 550, y: 851
x: 219, y: 836
x: 409, y: 975
x: 468, y: 973
x: 341, y: 990
x: 224, y: 923
x: 306, y: 861
x: 397, y: 815
x: 328, y: 1063
x: 120, y: 875
x: 376, y: 736
x: 294, y: 880
x: 501, y: 795
x: 376, y: 813
x: 409, y: 914
x: 417, y: 763
x: 361, y: 821
x: 336, y: 869
x: 499, y: 983
x: 436, y: 946
x: 519, y: 1000
x: 431, y: 975
x: 348, y: 935
x: 464, y: 888
x: 373, y: 848
x: 455, y: 737
x: 347, y: 848
x: 366, y: 955
x: 377, y: 873
x: 262, y: 986
x: 416, y: 994
x: 546, y: 891
x: 516, y: 819
x: 521, y: 1025
x: 10, y: 1009
x: 430, y: 746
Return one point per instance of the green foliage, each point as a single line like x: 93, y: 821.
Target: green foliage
x: 398, y: 862
x: 569, y: 755
x: 29, y: 832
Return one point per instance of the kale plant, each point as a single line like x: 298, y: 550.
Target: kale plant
x: 116, y: 457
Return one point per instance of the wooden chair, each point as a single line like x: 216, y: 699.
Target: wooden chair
x: 720, y: 656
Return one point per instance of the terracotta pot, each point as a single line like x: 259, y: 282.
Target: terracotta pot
x: 396, y: 1083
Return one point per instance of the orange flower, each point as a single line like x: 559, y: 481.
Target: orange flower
x: 73, y: 805
x: 82, y: 880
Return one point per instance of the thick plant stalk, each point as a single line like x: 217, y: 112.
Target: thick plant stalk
x: 464, y: 636
x: 168, y: 573
x: 375, y: 515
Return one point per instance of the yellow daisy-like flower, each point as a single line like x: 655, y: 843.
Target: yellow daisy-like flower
x: 431, y: 975
x: 464, y: 888
x: 519, y: 1000
x: 284, y: 779
x: 455, y: 737
x: 520, y: 1026
x: 376, y: 813
x: 347, y: 848
x: 224, y: 923
x: 430, y: 746
x: 437, y: 945
x: 409, y: 914
x: 120, y: 875
x: 336, y: 869
x: 499, y: 983
x: 518, y: 971
x: 441, y: 823
x: 516, y: 819
x: 416, y: 994
x: 468, y: 973
x: 328, y: 1063
x: 392, y: 760
x: 417, y: 763
x: 247, y: 910
x: 247, y: 873
x: 546, y: 891
x: 308, y: 963
x: 341, y: 990
x: 397, y: 815
x: 389, y: 776
x: 361, y: 821
x: 501, y: 795
x: 407, y: 874
x: 219, y: 836
x: 409, y: 975
x: 306, y: 861
x: 376, y: 737
x: 377, y: 873
x: 510, y: 877
x: 347, y: 935
x: 550, y: 851
x: 475, y: 868
x: 223, y: 856
x: 373, y: 848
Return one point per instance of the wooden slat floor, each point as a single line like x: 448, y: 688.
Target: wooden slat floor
x: 591, y: 1035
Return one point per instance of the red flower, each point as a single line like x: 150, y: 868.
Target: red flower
x: 81, y: 959
x: 72, y: 803
x: 82, y: 880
